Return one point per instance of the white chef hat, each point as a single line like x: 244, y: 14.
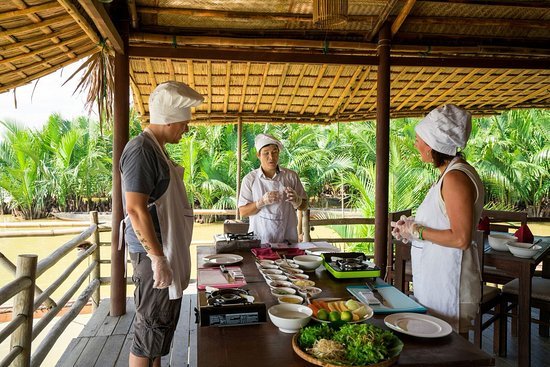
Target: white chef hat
x: 446, y: 128
x: 171, y: 102
x: 265, y: 139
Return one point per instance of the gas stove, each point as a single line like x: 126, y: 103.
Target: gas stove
x: 230, y: 242
x: 230, y: 307
x: 350, y: 265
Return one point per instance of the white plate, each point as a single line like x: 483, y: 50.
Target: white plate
x: 223, y: 259
x: 424, y: 326
x: 317, y: 251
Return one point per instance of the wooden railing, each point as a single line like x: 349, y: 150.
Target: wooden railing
x: 29, y: 298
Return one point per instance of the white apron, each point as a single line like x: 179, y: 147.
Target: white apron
x: 176, y: 226
x: 272, y: 221
x: 447, y: 280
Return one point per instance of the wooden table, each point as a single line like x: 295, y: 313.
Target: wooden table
x: 523, y: 269
x: 264, y: 345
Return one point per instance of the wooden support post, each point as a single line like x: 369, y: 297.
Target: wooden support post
x: 23, y: 305
x: 382, y: 148
x: 239, y: 159
x: 307, y: 237
x: 96, y: 274
x: 120, y: 138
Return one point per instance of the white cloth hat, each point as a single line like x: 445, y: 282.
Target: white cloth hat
x: 171, y: 102
x: 265, y: 139
x: 446, y: 128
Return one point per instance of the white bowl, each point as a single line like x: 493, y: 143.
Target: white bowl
x: 283, y: 261
x: 289, y: 318
x: 522, y: 249
x: 283, y: 291
x: 308, y: 262
x: 294, y: 277
x: 291, y: 299
x: 271, y: 272
x: 312, y: 291
x: 290, y: 271
x: 279, y: 283
x: 499, y: 241
x: 276, y: 277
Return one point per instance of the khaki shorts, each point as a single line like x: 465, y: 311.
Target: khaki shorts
x: 156, y: 315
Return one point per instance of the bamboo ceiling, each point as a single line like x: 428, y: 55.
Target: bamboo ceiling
x: 265, y: 61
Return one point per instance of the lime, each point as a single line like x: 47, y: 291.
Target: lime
x: 361, y: 311
x: 322, y: 314
x: 334, y: 316
x: 346, y: 316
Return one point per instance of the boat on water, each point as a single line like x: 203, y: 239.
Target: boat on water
x: 104, y: 217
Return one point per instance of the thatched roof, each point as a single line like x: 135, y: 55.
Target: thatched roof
x: 267, y: 60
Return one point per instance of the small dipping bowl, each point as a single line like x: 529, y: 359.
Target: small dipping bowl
x: 291, y: 298
x: 283, y: 291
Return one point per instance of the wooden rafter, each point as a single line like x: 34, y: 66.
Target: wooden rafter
x: 536, y: 92
x: 151, y: 73
x: 314, y: 88
x: 138, y: 98
x: 382, y: 18
x: 67, y: 32
x: 171, y: 71
x: 403, y: 14
x: 329, y: 90
x: 485, y: 87
x: 80, y: 20
x: 245, y: 84
x: 356, y: 90
x: 58, y: 21
x: 479, y: 81
x: 104, y: 24
x: 133, y: 13
x: 366, y: 97
x: 419, y: 89
x: 262, y: 86
x: 407, y: 86
x: 279, y: 88
x: 344, y: 94
x: 505, y: 86
x: 433, y: 91
x: 190, y: 74
x: 227, y: 85
x: 209, y: 77
x: 296, y: 87
x: 29, y: 10
x: 456, y: 86
x: 519, y: 87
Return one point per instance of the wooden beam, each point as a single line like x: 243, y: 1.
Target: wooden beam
x: 43, y: 49
x: 133, y: 13
x: 262, y: 86
x: 243, y: 93
x: 519, y: 87
x: 344, y: 94
x: 171, y: 71
x: 357, y: 88
x: 504, y: 87
x: 209, y: 77
x: 190, y: 74
x: 457, y: 97
x: 103, y: 22
x: 227, y: 84
x: 58, y: 21
x: 279, y: 88
x: 330, y: 88
x: 492, y: 82
x: 80, y: 20
x: 29, y: 10
x: 511, y: 4
x: 484, y: 22
x: 295, y: 89
x: 314, y: 88
x: 407, y: 86
x: 454, y: 89
x: 382, y: 18
x: 151, y: 73
x: 211, y: 53
x: 436, y: 89
x: 67, y: 32
x: 405, y: 11
x: 138, y: 98
x: 412, y: 95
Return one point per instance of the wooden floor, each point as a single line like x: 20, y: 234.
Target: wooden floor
x: 105, y: 341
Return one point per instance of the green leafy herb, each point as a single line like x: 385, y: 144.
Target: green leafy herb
x: 310, y: 334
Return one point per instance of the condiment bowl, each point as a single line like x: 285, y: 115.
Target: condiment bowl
x: 308, y: 262
x: 289, y: 318
x: 309, y: 291
x: 499, y: 241
x: 275, y: 277
x: 523, y: 249
x: 284, y: 261
x: 271, y: 272
x: 283, y: 291
x: 279, y: 283
x: 291, y: 298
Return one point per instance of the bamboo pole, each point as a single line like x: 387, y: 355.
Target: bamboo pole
x: 40, y: 233
x: 80, y: 20
x: 12, y: 288
x: 22, y: 336
x: 9, y: 266
x: 96, y: 256
x: 11, y: 327
x: 49, y: 341
x: 307, y: 236
x: 239, y: 159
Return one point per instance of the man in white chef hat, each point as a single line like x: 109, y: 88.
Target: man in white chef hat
x: 159, y: 221
x: 270, y: 195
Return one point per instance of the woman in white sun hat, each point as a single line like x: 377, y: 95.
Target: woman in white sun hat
x: 446, y: 271
x: 270, y: 195
x: 159, y: 223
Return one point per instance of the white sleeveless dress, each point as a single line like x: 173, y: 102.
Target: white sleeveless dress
x: 447, y: 280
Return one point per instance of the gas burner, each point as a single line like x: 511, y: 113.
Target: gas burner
x: 351, y: 264
x: 241, y: 236
x: 228, y: 297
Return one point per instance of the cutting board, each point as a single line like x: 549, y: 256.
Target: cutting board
x: 394, y: 300
x: 213, y: 277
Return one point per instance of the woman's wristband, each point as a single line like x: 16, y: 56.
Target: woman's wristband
x: 420, y: 231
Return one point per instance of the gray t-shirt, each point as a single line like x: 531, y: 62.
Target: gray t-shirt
x: 143, y: 169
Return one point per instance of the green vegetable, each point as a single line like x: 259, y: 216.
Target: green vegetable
x: 365, y: 344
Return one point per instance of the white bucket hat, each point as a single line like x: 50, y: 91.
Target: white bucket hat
x: 171, y: 102
x: 446, y: 128
x: 265, y: 139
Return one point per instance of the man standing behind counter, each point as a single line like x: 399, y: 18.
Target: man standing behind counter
x: 159, y: 222
x: 270, y: 195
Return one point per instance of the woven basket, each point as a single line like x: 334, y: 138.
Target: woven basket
x: 315, y: 361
